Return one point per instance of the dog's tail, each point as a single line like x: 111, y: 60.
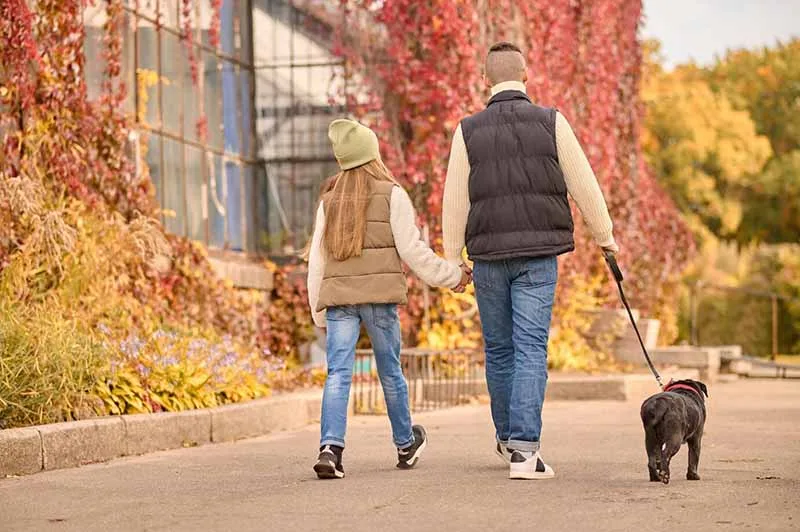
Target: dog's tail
x: 652, y: 415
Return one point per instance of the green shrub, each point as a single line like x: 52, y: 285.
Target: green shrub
x: 48, y: 366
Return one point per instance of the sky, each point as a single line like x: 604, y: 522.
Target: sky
x: 703, y: 29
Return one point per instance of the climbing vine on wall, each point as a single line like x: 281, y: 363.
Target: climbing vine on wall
x: 414, y: 69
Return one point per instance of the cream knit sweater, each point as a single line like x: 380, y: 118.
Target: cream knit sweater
x: 581, y: 184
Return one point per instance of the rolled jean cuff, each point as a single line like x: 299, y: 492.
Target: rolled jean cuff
x: 329, y: 441
x: 527, y: 446
x: 407, y: 444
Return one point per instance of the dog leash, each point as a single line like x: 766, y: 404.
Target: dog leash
x: 617, y: 273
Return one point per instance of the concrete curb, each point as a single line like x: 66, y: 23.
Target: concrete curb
x: 28, y: 450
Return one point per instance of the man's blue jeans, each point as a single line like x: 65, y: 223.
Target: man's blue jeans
x: 515, y: 301
x: 383, y: 327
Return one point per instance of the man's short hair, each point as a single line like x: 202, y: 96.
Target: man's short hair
x: 504, y: 62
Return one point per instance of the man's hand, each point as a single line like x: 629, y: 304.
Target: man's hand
x: 466, y: 278
x: 613, y: 250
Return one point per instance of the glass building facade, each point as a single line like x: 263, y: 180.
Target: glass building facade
x: 248, y: 186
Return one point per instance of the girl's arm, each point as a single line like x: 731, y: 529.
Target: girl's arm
x: 431, y: 268
x: 316, y: 267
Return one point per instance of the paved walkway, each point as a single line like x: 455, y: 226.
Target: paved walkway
x: 750, y: 467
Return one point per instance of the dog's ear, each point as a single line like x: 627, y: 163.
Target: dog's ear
x: 702, y: 387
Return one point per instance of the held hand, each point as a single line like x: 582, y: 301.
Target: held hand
x: 466, y: 278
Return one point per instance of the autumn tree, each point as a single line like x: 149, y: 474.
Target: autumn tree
x: 706, y: 152
x: 765, y: 82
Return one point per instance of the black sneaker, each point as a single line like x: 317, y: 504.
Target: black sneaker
x: 329, y: 463
x: 408, y: 457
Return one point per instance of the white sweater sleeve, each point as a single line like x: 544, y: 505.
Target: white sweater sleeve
x: 582, y: 184
x: 428, y: 266
x: 316, y: 267
x: 455, y: 204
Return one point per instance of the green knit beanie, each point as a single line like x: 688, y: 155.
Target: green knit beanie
x: 353, y: 144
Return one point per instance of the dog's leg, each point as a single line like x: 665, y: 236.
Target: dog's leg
x: 668, y: 450
x: 653, y: 454
x: 694, y: 456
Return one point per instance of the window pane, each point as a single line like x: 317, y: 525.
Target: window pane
x: 152, y: 157
x: 249, y: 207
x: 217, y: 189
x: 147, y: 74
x: 212, y: 99
x: 173, y: 187
x: 195, y: 182
x: 234, y: 206
x: 226, y: 27
x: 231, y: 120
x: 148, y: 8
x: 261, y: 192
x: 246, y: 41
x: 173, y: 64
x: 169, y: 13
x: 191, y: 95
x: 246, y: 113
x: 94, y: 16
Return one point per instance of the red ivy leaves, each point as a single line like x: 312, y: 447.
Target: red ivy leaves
x: 213, y: 28
x: 186, y: 36
x: 17, y: 53
x: 420, y: 64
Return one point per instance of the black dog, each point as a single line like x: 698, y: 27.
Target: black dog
x: 671, y: 418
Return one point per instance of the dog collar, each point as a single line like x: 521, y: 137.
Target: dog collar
x: 678, y: 386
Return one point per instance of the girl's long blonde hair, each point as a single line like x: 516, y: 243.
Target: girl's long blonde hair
x: 346, y: 208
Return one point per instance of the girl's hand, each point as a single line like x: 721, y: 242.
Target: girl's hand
x: 466, y: 278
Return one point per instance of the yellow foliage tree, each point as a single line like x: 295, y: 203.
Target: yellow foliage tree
x: 705, y: 151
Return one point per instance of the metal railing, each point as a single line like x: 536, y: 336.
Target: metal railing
x: 755, y: 319
x: 436, y: 379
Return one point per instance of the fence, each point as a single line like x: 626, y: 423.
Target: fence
x: 436, y: 379
x: 759, y: 321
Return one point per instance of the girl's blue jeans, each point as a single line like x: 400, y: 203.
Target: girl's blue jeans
x: 383, y: 327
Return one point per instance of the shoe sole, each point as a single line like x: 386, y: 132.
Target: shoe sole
x: 327, y: 470
x: 415, y: 457
x: 530, y: 475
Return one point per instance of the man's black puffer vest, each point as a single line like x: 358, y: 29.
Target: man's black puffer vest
x: 517, y: 192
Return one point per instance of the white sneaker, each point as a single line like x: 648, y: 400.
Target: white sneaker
x: 503, y: 452
x: 529, y: 466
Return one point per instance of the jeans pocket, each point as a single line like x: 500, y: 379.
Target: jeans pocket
x: 482, y: 275
x: 385, y: 315
x: 542, y: 271
x: 340, y: 313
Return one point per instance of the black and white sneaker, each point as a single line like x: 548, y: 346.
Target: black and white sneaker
x: 408, y: 457
x: 329, y: 463
x: 503, y: 452
x: 529, y: 466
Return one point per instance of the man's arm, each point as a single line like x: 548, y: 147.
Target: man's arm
x: 582, y: 185
x: 455, y: 208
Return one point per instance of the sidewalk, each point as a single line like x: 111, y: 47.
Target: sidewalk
x: 750, y: 468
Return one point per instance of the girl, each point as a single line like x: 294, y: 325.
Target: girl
x: 365, y: 226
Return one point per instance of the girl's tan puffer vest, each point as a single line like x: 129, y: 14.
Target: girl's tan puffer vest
x: 376, y: 276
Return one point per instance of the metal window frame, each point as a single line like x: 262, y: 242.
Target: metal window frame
x: 242, y: 13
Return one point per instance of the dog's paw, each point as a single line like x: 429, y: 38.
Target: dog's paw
x: 692, y: 476
x: 664, y: 476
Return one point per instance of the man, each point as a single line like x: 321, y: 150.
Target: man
x: 511, y: 167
